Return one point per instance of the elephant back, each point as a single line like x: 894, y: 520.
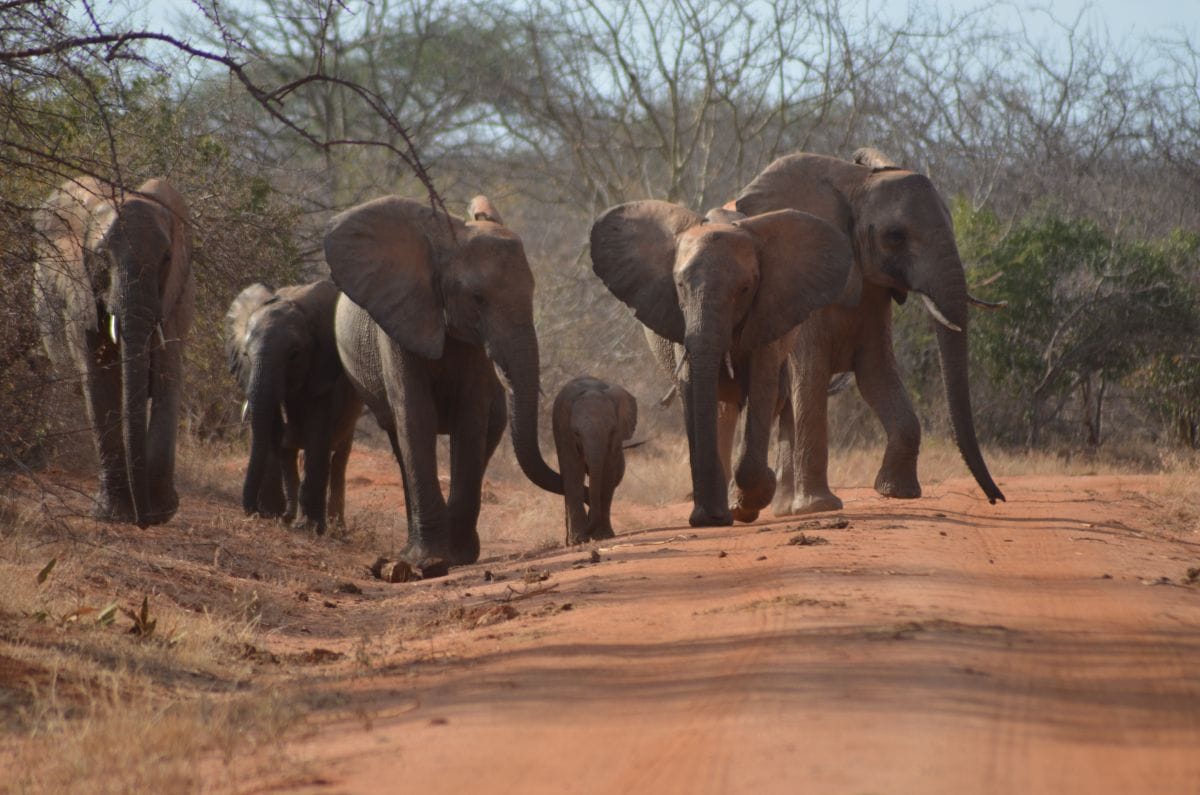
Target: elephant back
x: 815, y: 184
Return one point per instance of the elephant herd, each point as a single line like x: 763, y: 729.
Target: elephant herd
x: 428, y: 322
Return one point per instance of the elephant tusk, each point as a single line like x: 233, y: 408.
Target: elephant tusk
x: 666, y: 399
x: 937, y: 313
x: 162, y: 338
x: 679, y: 367
x: 245, y: 408
x: 729, y: 365
x: 112, y: 328
x: 973, y: 301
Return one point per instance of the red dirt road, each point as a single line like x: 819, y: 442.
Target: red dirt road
x: 1047, y: 645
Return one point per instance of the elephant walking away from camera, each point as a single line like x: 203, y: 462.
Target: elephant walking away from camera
x: 720, y: 298
x: 114, y: 295
x: 435, y: 315
x: 592, y: 420
x: 904, y: 243
x: 282, y: 351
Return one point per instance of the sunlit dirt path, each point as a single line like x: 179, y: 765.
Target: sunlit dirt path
x: 938, y: 645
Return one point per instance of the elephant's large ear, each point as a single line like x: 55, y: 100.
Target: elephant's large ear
x: 803, y: 266
x: 237, y: 321
x: 633, y: 253
x: 384, y: 256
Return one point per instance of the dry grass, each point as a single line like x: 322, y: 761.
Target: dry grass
x: 219, y: 686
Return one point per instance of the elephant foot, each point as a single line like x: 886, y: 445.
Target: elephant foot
x: 742, y: 514
x: 602, y: 533
x: 162, y: 509
x: 703, y: 517
x: 749, y: 495
x: 574, y: 539
x: 111, y: 508
x: 307, y: 524
x: 464, y: 548
x: 904, y: 487
x: 424, y: 561
x: 815, y: 503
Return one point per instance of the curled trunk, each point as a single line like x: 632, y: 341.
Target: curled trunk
x: 520, y: 366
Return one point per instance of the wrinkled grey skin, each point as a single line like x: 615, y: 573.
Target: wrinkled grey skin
x: 114, y: 296
x: 903, y: 242
x: 727, y: 293
x: 282, y: 352
x: 591, y: 421
x: 433, y: 311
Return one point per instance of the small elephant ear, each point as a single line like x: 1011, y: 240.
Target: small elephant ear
x: 633, y: 252
x: 803, y: 266
x: 384, y: 255
x: 237, y: 321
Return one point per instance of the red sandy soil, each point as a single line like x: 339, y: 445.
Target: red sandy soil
x: 943, y: 645
x: 1046, y: 645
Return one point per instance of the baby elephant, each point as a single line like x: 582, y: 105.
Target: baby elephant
x: 591, y: 420
x: 281, y: 349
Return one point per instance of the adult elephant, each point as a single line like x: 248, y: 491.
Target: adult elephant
x: 432, y: 310
x: 282, y: 351
x: 114, y: 294
x: 721, y: 298
x: 903, y: 243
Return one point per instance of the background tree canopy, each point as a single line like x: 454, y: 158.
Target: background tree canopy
x: 1073, y: 168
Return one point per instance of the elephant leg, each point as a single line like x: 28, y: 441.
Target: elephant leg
x: 395, y: 443
x: 315, y: 486
x: 785, y: 487
x: 727, y: 420
x: 284, y: 469
x: 166, y: 381
x: 881, y: 387
x: 472, y: 441
x: 754, y: 482
x: 415, y: 418
x: 810, y: 446
x: 574, y: 474
x: 348, y: 409
x: 601, y: 514
x: 102, y: 388
x: 337, y: 481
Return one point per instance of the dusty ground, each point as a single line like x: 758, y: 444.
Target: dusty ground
x: 1051, y: 644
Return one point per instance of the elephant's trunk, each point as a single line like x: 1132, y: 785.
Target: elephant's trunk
x: 595, y: 456
x: 135, y: 330
x: 266, y: 430
x: 949, y: 294
x: 520, y: 365
x: 136, y: 314
x: 706, y: 353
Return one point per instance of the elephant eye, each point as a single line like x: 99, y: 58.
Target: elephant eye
x: 894, y: 237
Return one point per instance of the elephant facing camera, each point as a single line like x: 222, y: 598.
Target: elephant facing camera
x: 591, y: 419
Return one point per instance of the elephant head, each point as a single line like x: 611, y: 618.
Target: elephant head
x: 720, y: 287
x: 276, y: 342
x: 903, y: 241
x: 424, y: 276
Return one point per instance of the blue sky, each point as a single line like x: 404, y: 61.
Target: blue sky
x: 1124, y: 19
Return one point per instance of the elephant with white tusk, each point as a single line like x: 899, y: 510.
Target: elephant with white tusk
x: 114, y: 295
x: 282, y: 351
x: 903, y: 243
